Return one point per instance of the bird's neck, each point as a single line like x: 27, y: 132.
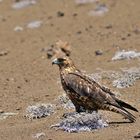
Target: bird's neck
x: 64, y: 72
x: 67, y: 70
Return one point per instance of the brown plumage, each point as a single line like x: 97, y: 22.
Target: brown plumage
x: 86, y: 93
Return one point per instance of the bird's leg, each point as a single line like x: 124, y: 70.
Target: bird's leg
x: 90, y: 111
x: 79, y: 108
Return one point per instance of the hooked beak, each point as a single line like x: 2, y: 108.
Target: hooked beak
x: 55, y: 61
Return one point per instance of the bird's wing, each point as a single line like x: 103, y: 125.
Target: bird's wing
x: 101, y: 98
x: 92, y: 81
x: 84, y: 86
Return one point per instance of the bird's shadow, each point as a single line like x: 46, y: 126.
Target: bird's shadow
x: 122, y: 122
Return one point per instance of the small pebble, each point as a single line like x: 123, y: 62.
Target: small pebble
x: 59, y: 49
x: 4, y: 115
x: 2, y: 53
x: 137, y: 135
x: 98, y: 52
x: 1, y: 111
x: 100, y: 10
x: 34, y: 24
x: 79, y: 32
x: 128, y: 34
x: 39, y: 136
x: 18, y: 29
x: 60, y: 14
x: 136, y: 31
x: 19, y: 87
x: 82, y: 2
x: 75, y: 14
x: 23, y: 4
x: 18, y: 108
x: 123, y: 38
x: 109, y: 26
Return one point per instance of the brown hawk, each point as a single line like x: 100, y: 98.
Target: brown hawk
x: 84, y: 92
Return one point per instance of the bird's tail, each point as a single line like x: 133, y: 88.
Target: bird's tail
x: 121, y: 111
x: 125, y: 105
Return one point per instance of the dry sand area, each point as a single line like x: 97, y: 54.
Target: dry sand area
x: 27, y: 76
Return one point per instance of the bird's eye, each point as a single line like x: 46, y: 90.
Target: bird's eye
x: 61, y: 59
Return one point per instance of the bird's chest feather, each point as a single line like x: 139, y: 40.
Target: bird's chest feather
x: 82, y: 99
x: 70, y: 92
x: 73, y: 96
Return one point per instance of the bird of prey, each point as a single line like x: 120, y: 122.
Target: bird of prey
x: 84, y: 92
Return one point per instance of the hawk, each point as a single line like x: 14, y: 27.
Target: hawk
x: 84, y: 92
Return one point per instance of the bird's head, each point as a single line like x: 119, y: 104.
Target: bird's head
x: 63, y: 62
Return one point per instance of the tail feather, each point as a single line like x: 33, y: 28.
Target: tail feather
x: 127, y: 114
x: 126, y: 105
x: 121, y: 111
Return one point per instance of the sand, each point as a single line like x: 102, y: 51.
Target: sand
x: 27, y: 76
